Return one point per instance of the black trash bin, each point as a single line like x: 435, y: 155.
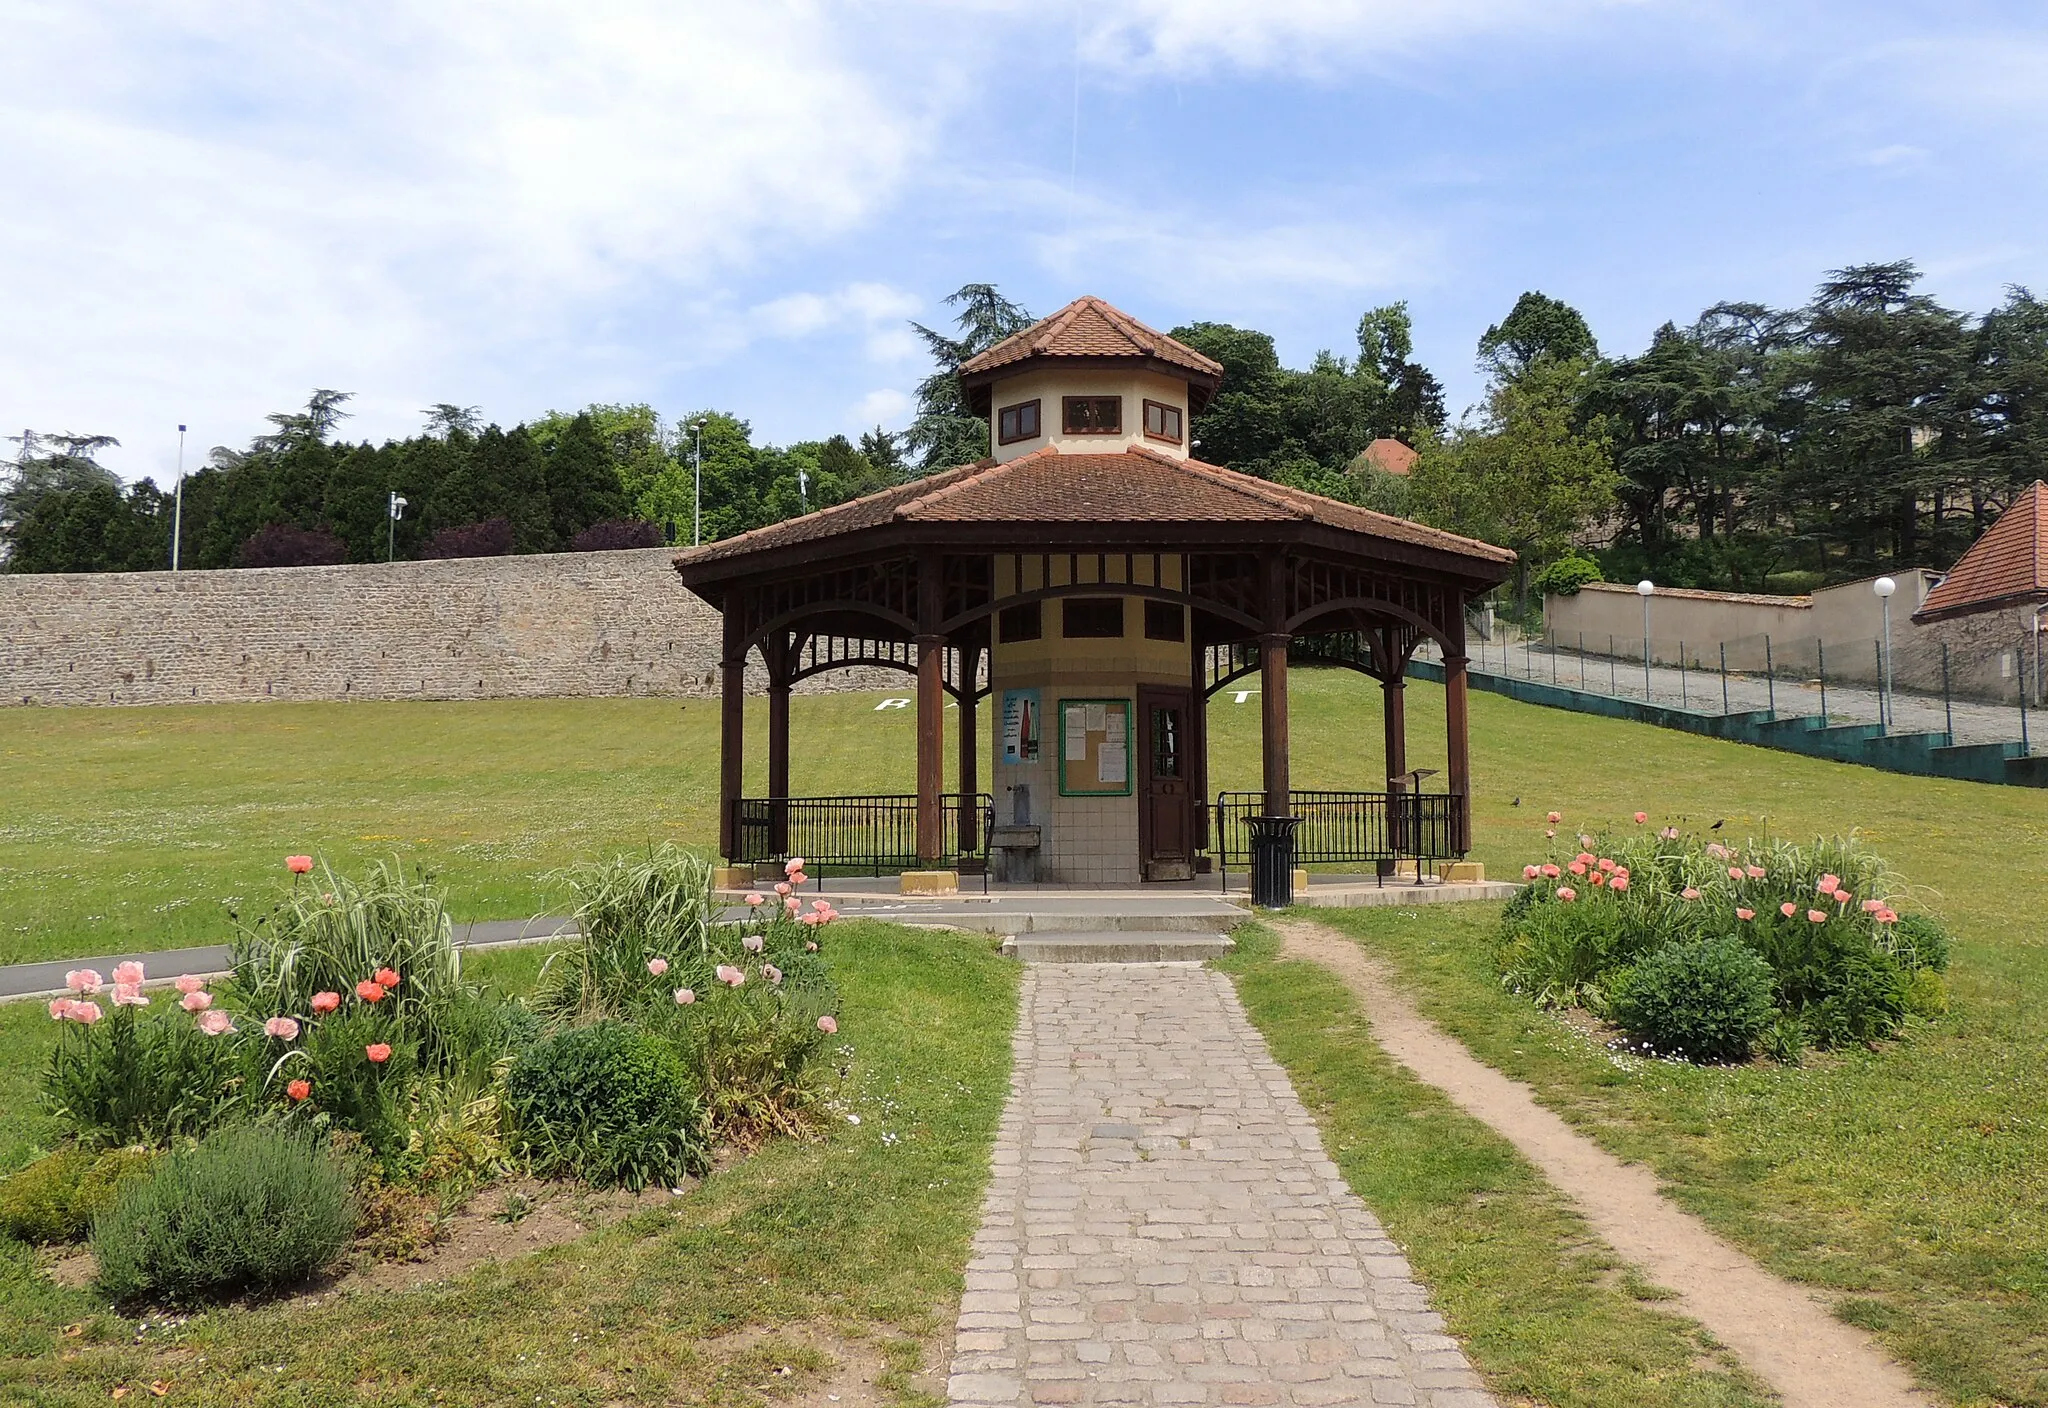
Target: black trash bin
x: 1273, y: 860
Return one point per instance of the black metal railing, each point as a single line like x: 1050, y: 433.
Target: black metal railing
x: 1340, y: 827
x: 875, y: 834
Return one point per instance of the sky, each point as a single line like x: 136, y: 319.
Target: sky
x: 526, y: 205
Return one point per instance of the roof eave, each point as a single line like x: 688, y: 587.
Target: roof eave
x: 1926, y: 616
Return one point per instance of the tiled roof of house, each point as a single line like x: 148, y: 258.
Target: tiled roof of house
x: 1047, y: 487
x: 1088, y: 327
x: 1386, y: 454
x: 2008, y: 565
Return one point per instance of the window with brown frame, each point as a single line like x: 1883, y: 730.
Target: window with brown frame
x: 1092, y: 617
x: 1094, y: 415
x: 1024, y: 622
x: 1165, y: 620
x: 1162, y: 422
x: 1018, y: 422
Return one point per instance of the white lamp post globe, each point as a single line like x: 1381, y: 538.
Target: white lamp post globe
x: 1645, y: 587
x: 1884, y: 586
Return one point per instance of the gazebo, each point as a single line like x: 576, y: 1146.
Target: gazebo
x: 1100, y: 584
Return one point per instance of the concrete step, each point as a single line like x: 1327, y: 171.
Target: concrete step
x: 1117, y: 946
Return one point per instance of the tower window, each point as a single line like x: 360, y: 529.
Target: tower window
x: 1162, y: 422
x: 1018, y: 422
x: 1094, y: 415
x: 1092, y: 617
x: 1016, y: 623
x: 1165, y: 620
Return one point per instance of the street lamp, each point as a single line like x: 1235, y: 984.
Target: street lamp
x: 391, y: 529
x: 1644, y: 589
x: 1884, y: 587
x: 178, y: 505
x: 697, y: 457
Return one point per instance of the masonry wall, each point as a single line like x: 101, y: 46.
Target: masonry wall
x: 537, y: 626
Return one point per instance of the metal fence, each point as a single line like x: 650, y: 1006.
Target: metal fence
x: 1338, y: 827
x: 875, y: 834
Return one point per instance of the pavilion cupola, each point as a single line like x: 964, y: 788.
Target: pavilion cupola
x: 1090, y: 379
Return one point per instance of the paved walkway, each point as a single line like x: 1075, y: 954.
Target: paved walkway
x: 1163, y: 1226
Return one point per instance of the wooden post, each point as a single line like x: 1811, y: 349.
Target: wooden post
x: 931, y: 713
x: 1457, y: 728
x: 1394, y: 721
x: 732, y: 730
x: 1273, y: 689
x: 970, y: 743
x: 777, y: 653
x: 1198, y: 735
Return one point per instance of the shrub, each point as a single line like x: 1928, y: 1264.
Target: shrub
x: 56, y: 1198
x: 1557, y: 953
x: 632, y: 911
x: 614, y: 534
x: 372, y: 1097
x: 1700, y: 999
x: 1567, y: 575
x: 126, y: 1078
x: 283, y: 545
x: 490, y: 538
x: 750, y: 1047
x: 1864, y: 999
x: 250, y: 1207
x: 1920, y: 943
x: 609, y: 1104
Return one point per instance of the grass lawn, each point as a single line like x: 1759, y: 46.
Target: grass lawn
x: 857, y: 1237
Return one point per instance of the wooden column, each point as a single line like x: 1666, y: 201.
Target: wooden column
x: 1198, y: 735
x: 732, y: 728
x: 931, y: 712
x: 970, y: 745
x: 777, y: 653
x: 1460, y: 771
x: 1273, y: 688
x: 1394, y: 708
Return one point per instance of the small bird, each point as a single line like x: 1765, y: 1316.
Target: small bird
x: 1719, y: 824
x: 1516, y: 803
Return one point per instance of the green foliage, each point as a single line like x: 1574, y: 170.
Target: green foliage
x: 371, y: 1098
x: 56, y: 1198
x: 135, y: 1079
x: 1536, y: 329
x: 250, y: 1207
x: 631, y: 911
x: 1567, y: 575
x: 946, y: 432
x: 1699, y: 999
x: 752, y: 1047
x: 609, y: 1104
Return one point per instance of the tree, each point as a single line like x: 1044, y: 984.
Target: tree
x: 444, y: 418
x: 1537, y: 327
x: 583, y: 484
x: 45, y: 465
x: 946, y: 432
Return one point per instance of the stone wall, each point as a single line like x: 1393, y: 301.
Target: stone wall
x: 596, y: 623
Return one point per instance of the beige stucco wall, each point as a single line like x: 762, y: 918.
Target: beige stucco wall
x: 1048, y: 385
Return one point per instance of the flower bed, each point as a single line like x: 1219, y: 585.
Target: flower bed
x: 657, y: 1034
x: 1702, y: 950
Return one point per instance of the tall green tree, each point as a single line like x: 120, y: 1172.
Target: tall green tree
x: 946, y: 432
x: 1537, y: 327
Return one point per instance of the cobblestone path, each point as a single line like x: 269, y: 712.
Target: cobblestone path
x: 1163, y: 1226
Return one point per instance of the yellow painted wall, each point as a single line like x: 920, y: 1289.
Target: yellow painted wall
x: 1048, y: 385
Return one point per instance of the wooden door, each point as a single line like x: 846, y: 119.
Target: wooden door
x: 1166, y: 816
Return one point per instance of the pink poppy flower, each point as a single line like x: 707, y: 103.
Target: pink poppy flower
x: 378, y: 1052
x: 1530, y: 872
x: 128, y: 975
x: 216, y: 1023
x: 1717, y: 850
x: 1585, y: 857
x: 657, y: 966
x: 1754, y: 872
x: 813, y: 919
x: 1827, y: 884
x: 684, y: 997
x: 83, y: 980
x: 1551, y: 872
x: 1788, y: 909
x: 1872, y: 906
x: 298, y: 865
x: 1621, y: 871
x: 197, y: 1001
x: 793, y: 865
x: 1567, y: 893
x: 771, y: 972
x: 1642, y: 817
x: 822, y: 906
x: 732, y: 977
x: 1577, y: 867
x: 1669, y: 833
x: 1619, y: 882
x: 1841, y: 897
x: 798, y: 878
x: 299, y: 1090
x: 385, y: 978
x: 1554, y: 817
x: 1816, y: 916
x: 828, y: 1025
x: 283, y: 1028
x: 1584, y: 839
x: 753, y: 943
x: 188, y: 982
x: 811, y: 946
x: 325, y: 1002
x: 1745, y: 914
x: 792, y: 904
x: 1550, y: 835
x: 1607, y: 865
x: 1887, y: 915
x: 1734, y: 872
x: 1596, y: 878
x: 84, y: 1013
x: 130, y: 995
x: 60, y: 1008
x: 782, y: 887
x: 1688, y: 893
x: 755, y: 900
x: 370, y: 991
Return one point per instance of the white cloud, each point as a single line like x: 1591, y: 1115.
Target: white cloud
x: 886, y: 406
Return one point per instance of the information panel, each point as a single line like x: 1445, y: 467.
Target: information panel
x: 1095, y: 747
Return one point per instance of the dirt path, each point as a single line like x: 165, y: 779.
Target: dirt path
x: 1782, y: 1333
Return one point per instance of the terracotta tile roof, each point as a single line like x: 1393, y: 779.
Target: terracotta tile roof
x: 1047, y: 487
x: 2006, y: 566
x: 1088, y: 327
x: 1385, y: 454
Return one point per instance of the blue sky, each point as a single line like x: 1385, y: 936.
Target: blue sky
x: 525, y: 205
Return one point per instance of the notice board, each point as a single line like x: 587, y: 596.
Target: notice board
x: 1095, y: 747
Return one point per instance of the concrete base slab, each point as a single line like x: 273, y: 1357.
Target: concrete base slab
x: 1117, y: 946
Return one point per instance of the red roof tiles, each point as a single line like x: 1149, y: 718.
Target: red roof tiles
x: 1089, y: 328
x: 2005, y: 567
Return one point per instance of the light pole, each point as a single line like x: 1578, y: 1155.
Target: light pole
x: 391, y: 528
x: 1644, y: 589
x: 1884, y: 587
x: 697, y: 458
x: 178, y: 504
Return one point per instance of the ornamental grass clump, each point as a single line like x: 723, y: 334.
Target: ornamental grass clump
x: 639, y: 920
x: 1843, y: 964
x: 247, y: 1208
